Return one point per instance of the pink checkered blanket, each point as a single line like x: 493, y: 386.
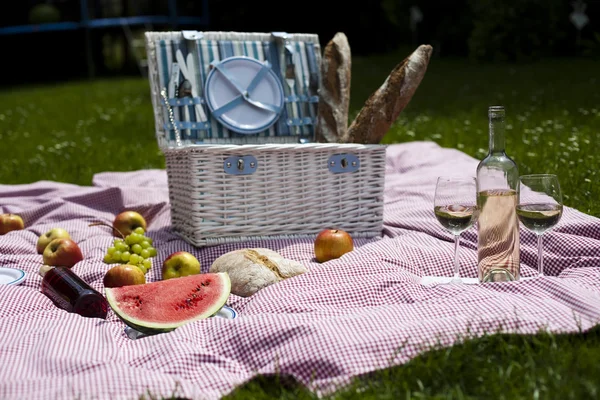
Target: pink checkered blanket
x: 362, y: 312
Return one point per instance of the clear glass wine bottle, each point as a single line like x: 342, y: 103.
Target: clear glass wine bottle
x: 497, y: 198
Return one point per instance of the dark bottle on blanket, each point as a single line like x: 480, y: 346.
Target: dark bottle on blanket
x: 70, y: 292
x: 497, y: 198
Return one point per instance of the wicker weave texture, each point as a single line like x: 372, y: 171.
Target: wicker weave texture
x: 292, y: 193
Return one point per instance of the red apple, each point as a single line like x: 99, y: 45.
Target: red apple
x: 127, y: 221
x: 180, y: 264
x: 10, y: 222
x: 331, y: 244
x: 46, y: 238
x: 62, y: 252
x: 124, y: 275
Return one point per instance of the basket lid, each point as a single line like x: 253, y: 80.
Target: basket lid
x: 244, y: 94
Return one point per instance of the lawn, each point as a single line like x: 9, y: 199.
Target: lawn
x: 69, y: 132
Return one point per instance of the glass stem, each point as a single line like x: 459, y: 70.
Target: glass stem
x: 540, y: 257
x: 456, y: 263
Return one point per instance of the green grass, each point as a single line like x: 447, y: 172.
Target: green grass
x: 552, y: 115
x: 69, y: 132
x: 540, y: 366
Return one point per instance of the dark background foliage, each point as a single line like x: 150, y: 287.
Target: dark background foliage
x: 483, y: 30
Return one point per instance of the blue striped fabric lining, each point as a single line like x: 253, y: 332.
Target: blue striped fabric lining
x: 206, y: 51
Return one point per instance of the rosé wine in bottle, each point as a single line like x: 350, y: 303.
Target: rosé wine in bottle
x: 497, y: 198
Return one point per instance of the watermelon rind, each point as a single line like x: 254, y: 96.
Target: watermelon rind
x: 152, y: 328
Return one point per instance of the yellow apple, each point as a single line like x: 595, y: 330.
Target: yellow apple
x: 46, y: 238
x: 10, y: 222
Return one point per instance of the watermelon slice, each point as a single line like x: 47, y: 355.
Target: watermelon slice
x: 163, y: 306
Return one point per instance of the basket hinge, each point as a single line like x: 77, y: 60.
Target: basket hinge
x: 240, y: 165
x: 280, y: 35
x: 192, y: 35
x: 343, y: 163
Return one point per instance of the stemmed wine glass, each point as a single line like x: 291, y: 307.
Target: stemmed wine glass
x: 540, y: 207
x: 455, y: 207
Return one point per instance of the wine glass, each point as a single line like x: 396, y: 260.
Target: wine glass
x: 540, y: 207
x: 455, y: 207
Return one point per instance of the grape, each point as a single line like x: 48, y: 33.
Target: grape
x: 125, y: 256
x: 139, y: 238
x: 116, y: 256
x: 137, y: 249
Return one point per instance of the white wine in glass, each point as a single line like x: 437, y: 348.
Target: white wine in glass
x: 540, y: 207
x: 455, y: 207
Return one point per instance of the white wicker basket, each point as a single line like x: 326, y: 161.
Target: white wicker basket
x: 265, y: 187
x: 291, y: 194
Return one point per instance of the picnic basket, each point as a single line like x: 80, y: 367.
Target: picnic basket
x: 239, y: 141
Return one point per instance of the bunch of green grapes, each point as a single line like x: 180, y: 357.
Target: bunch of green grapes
x: 136, y: 249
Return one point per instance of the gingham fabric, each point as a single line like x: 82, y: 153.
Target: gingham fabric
x: 362, y: 312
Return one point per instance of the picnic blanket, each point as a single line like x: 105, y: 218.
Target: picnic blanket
x: 347, y: 317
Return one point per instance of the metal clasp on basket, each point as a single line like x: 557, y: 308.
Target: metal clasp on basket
x: 240, y: 165
x: 343, y: 163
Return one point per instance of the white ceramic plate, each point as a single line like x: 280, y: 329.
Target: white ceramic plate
x: 244, y: 117
x: 11, y: 276
x: 225, y: 312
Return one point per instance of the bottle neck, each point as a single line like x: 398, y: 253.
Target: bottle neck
x: 497, y: 130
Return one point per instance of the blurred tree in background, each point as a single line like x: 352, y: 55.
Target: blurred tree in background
x: 493, y: 30
x: 483, y: 30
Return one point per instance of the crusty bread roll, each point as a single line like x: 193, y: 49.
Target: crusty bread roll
x: 253, y: 269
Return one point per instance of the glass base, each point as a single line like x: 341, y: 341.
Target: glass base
x: 446, y: 280
x: 498, y: 275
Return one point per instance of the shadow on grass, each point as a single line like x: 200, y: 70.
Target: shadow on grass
x: 502, y: 366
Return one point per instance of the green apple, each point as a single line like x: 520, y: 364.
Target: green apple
x: 127, y: 221
x: 180, y: 264
x: 10, y: 222
x: 45, y: 239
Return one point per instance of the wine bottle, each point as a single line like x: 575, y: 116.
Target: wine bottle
x: 69, y: 292
x: 497, y: 198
